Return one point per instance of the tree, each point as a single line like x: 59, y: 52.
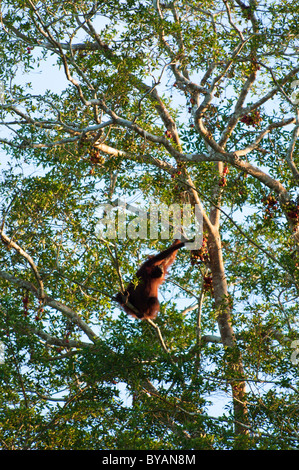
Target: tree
x: 176, y: 102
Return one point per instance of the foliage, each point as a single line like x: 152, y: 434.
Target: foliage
x: 145, y: 101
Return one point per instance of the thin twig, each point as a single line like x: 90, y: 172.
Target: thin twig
x: 9, y: 243
x: 153, y: 324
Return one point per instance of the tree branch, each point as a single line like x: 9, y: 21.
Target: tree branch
x: 66, y: 311
x: 9, y: 243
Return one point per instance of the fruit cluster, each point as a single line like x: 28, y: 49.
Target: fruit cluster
x: 292, y: 211
x: 222, y: 182
x: 25, y: 301
x: 40, y: 311
x: 201, y: 255
x: 208, y: 282
x: 291, y: 208
x: 95, y: 156
x: 252, y: 119
x: 177, y: 173
x: 271, y: 205
x: 69, y: 330
x: 169, y: 135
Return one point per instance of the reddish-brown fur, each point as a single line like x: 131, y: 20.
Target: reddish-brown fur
x: 143, y: 295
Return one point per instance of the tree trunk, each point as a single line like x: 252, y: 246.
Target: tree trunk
x: 234, y: 366
x: 223, y: 304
